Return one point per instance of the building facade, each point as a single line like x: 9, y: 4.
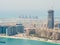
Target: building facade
x: 11, y: 30
x: 3, y: 29
x: 50, y: 19
x: 20, y: 28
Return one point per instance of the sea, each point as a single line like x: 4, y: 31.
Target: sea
x: 12, y: 41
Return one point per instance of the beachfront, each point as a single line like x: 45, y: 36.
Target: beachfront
x: 21, y: 36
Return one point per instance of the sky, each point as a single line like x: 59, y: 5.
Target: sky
x: 16, y: 8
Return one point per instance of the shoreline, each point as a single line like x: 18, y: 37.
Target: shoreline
x: 33, y: 38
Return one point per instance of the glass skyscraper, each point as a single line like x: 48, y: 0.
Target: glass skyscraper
x: 50, y: 19
x: 20, y: 28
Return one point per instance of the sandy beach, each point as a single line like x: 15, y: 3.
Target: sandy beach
x: 20, y: 36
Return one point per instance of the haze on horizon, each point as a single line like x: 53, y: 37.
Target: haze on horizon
x: 16, y: 8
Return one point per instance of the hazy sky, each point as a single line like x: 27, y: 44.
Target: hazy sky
x: 14, y: 8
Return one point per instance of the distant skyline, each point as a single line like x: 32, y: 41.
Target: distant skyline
x: 16, y: 8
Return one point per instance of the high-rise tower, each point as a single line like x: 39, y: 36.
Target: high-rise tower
x: 50, y: 19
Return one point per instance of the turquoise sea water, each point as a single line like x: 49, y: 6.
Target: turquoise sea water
x: 10, y: 41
